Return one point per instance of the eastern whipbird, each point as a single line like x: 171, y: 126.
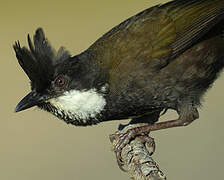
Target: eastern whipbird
x: 165, y: 57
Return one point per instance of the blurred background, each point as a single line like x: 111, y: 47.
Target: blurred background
x: 35, y: 145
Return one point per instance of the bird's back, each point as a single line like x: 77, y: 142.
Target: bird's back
x: 137, y: 51
x: 156, y: 34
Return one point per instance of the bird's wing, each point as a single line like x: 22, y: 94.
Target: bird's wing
x: 152, y: 38
x: 192, y: 19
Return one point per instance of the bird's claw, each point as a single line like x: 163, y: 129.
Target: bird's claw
x: 149, y: 143
x: 124, y: 138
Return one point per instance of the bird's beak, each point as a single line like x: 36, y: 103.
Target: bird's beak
x: 30, y: 100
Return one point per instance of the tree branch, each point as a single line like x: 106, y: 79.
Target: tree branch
x: 137, y: 157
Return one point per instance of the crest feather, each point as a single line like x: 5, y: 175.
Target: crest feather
x: 39, y: 60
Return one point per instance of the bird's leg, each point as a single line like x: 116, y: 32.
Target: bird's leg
x: 149, y: 118
x: 186, y: 116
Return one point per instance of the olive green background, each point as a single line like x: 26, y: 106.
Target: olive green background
x: 37, y: 146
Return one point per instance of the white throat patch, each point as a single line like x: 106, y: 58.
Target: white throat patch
x: 81, y: 105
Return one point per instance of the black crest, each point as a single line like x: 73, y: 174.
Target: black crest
x: 39, y: 60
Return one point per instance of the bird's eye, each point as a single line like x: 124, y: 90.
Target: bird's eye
x: 60, y: 81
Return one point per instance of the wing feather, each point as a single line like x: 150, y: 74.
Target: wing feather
x: 165, y: 30
x: 150, y: 40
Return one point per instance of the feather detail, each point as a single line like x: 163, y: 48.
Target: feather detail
x: 39, y: 60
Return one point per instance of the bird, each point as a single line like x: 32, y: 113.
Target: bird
x: 165, y: 57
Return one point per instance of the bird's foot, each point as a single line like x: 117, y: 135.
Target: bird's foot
x: 124, y: 138
x: 149, y: 142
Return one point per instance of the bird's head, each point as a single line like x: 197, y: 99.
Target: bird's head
x: 71, y: 88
